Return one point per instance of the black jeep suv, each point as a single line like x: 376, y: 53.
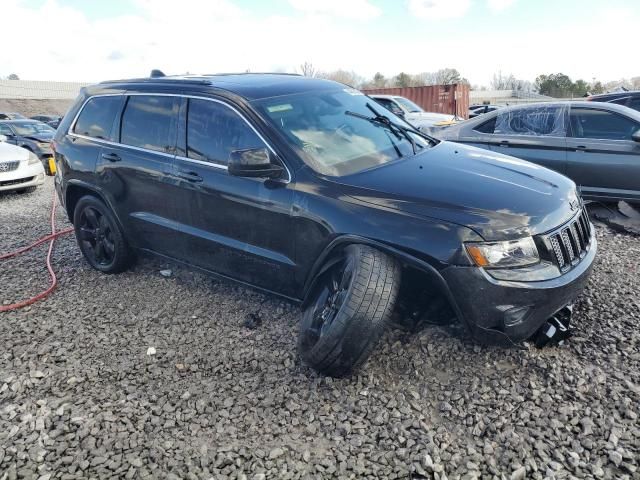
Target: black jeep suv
x: 311, y: 190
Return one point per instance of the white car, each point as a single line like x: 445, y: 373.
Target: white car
x: 428, y: 122
x: 20, y: 169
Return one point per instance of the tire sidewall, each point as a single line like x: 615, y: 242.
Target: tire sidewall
x: 350, y: 336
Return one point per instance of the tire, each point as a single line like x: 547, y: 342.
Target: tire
x: 348, y: 309
x: 99, y: 236
x: 26, y: 190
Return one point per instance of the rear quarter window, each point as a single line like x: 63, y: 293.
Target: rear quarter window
x: 487, y: 127
x: 97, y: 116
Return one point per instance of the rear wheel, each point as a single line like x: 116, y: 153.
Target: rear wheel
x: 349, y: 308
x: 100, y: 238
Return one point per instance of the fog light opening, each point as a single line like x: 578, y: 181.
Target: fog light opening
x: 515, y: 316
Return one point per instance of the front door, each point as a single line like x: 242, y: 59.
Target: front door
x: 603, y: 159
x: 238, y: 227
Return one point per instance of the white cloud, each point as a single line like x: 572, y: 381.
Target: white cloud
x: 223, y: 37
x: 351, y: 9
x: 499, y: 5
x: 438, y: 9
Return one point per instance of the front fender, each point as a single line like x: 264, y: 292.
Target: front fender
x: 331, y: 253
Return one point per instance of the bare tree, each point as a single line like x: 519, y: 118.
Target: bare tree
x: 510, y: 82
x: 308, y: 70
x: 348, y: 77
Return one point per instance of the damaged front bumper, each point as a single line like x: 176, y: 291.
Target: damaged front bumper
x: 504, y: 312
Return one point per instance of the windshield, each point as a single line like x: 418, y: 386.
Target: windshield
x: 31, y: 128
x: 335, y: 132
x: 408, y: 105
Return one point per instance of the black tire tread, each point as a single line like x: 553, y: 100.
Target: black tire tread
x: 361, y: 321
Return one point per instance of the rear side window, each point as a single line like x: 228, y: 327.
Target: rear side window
x: 487, y: 127
x: 96, y: 118
x: 591, y: 123
x: 535, y: 120
x: 5, y: 130
x: 214, y: 131
x: 150, y: 122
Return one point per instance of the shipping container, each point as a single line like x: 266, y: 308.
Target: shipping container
x: 452, y: 99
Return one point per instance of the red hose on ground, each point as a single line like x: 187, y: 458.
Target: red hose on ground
x: 52, y: 238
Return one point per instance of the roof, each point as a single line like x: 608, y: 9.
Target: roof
x: 252, y: 86
x: 39, y: 89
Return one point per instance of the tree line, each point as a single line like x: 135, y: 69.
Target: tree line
x: 556, y: 85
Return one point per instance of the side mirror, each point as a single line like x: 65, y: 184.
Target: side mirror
x: 253, y: 162
x: 636, y: 136
x: 3, y: 138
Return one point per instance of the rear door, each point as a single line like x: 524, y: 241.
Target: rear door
x: 136, y: 171
x: 603, y: 159
x: 535, y: 133
x: 235, y: 226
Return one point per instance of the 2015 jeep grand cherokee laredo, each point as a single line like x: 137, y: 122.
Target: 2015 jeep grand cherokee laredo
x: 311, y: 190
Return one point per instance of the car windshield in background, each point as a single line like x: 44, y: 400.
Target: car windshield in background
x: 30, y: 128
x: 409, y: 105
x: 337, y: 133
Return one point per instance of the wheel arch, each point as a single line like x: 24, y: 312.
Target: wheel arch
x: 76, y: 190
x: 331, y: 253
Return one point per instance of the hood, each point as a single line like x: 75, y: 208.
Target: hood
x: 428, y: 117
x: 40, y: 137
x: 498, y: 196
x: 10, y: 153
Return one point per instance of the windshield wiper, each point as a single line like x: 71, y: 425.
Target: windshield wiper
x: 398, y: 130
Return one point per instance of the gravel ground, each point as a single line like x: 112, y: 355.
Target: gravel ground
x: 145, y: 376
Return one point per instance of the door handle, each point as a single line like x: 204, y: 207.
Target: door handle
x: 581, y: 148
x: 189, y: 176
x: 504, y: 143
x: 112, y: 157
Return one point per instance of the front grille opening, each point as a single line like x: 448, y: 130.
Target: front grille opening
x: 570, y: 243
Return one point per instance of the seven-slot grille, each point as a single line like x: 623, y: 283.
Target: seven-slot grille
x: 9, y: 166
x: 571, y: 242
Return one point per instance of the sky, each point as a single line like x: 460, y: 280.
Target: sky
x: 94, y: 40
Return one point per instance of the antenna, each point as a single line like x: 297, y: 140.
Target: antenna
x: 155, y: 73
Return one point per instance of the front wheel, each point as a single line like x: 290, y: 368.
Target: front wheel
x: 348, y: 310
x: 99, y: 236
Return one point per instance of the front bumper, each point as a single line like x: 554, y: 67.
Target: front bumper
x: 24, y: 177
x: 498, y: 311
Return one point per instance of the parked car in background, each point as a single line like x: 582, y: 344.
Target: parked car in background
x: 20, y: 169
x: 311, y: 190
x: 52, y: 120
x: 11, y: 116
x: 478, y: 110
x: 595, y: 144
x: 627, y: 99
x: 428, y: 122
x: 30, y: 134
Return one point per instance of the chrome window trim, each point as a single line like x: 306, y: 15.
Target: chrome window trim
x: 71, y: 133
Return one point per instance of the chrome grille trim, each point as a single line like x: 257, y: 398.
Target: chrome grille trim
x: 568, y: 244
x: 9, y: 166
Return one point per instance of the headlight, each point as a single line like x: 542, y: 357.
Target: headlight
x: 33, y: 159
x: 512, y: 253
